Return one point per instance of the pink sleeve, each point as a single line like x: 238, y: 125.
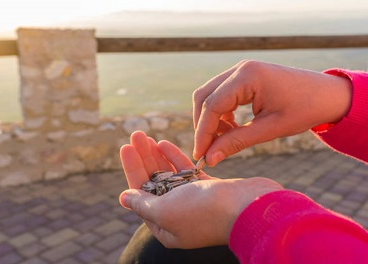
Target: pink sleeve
x: 350, y: 135
x: 288, y: 227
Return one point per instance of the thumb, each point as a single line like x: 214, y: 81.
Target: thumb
x: 139, y: 201
x: 259, y: 130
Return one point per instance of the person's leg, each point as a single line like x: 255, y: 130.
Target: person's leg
x: 144, y: 248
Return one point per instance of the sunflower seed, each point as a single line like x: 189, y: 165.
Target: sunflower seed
x: 162, y: 182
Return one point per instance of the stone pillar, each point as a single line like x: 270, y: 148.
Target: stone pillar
x: 59, y: 90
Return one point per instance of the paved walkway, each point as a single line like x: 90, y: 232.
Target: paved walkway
x: 79, y: 220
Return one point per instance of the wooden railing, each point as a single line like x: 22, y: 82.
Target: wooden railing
x: 9, y: 47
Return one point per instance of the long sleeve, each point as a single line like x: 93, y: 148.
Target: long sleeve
x: 350, y: 135
x: 288, y: 227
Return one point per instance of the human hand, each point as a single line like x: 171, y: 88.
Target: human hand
x: 143, y: 156
x: 194, y: 215
x: 285, y: 101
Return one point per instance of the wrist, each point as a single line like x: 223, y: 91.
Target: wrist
x: 338, y: 96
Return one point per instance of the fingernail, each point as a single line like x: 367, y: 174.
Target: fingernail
x: 217, y: 157
x: 124, y: 199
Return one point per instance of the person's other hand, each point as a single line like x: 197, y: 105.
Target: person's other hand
x: 194, y: 215
x: 285, y: 101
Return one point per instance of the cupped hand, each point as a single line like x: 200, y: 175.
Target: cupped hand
x: 285, y: 101
x: 143, y: 156
x: 194, y: 215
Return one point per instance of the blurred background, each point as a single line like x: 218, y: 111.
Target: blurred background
x: 66, y: 220
x: 167, y: 79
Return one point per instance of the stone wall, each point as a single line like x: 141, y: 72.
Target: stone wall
x: 62, y: 133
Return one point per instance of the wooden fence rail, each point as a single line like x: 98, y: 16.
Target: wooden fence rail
x: 9, y: 47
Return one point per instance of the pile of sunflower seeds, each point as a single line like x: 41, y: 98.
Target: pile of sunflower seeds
x: 162, y: 182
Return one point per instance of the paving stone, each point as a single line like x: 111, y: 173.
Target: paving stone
x: 331, y: 197
x: 55, y: 214
x: 31, y: 250
x: 96, y: 208
x: 357, y: 196
x: 34, y: 221
x: 74, y: 217
x: 363, y: 213
x: 11, y: 258
x: 5, y: 248
x: 351, y: 204
x: 90, y: 254
x: 313, y: 191
x: 113, y: 256
x: 88, y: 239
x: 131, y: 217
x: 34, y: 260
x: 303, y: 181
x: 88, y: 224
x: 15, y: 219
x: 94, y: 199
x: 362, y: 220
x: 59, y: 237
x: 22, y: 240
x: 15, y: 230
x: 113, y: 242
x: 131, y: 229
x: 42, y: 231
x: 40, y: 209
x: 3, y: 237
x: 59, y: 224
x: 62, y: 251
x: 69, y: 261
x: 75, y: 206
x: 111, y: 227
x: 35, y: 201
x: 343, y: 210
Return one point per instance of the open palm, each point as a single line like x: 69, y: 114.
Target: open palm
x: 194, y: 215
x: 143, y: 156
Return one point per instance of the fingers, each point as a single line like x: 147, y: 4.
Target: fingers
x: 135, y: 171
x: 141, y: 143
x: 261, y: 129
x: 161, y: 160
x: 144, y: 156
x: 203, y: 92
x: 141, y: 158
x: 179, y: 160
x: 140, y: 202
x: 143, y: 204
x: 218, y: 106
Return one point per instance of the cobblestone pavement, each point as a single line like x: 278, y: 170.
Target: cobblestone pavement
x: 79, y: 220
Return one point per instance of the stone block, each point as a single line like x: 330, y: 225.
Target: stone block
x: 5, y: 160
x: 107, y: 126
x: 136, y: 123
x: 58, y: 78
x: 159, y: 123
x: 56, y: 136
x: 60, y: 237
x: 15, y: 178
x: 4, y: 137
x: 60, y: 252
x: 57, y: 68
x: 29, y: 157
x: 54, y: 174
x: 24, y: 136
x: 84, y: 116
x: 114, y: 226
x: 22, y: 240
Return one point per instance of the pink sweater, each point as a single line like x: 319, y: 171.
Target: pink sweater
x: 288, y: 227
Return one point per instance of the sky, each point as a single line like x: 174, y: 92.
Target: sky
x: 15, y: 13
